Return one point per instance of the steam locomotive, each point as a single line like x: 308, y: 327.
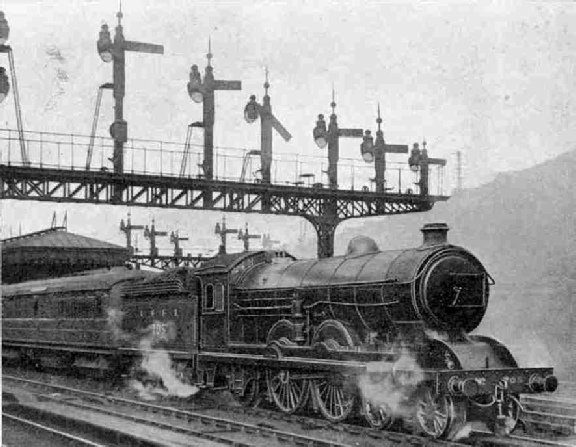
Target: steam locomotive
x: 380, y: 334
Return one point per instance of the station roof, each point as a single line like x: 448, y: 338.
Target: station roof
x: 56, y: 252
x: 58, y: 238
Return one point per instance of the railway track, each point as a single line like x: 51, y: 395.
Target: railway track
x: 42, y: 431
x: 243, y: 430
x: 201, y: 425
x: 552, y: 415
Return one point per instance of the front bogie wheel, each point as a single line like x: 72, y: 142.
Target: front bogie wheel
x: 505, y: 420
x: 249, y: 393
x: 438, y: 416
x: 378, y: 414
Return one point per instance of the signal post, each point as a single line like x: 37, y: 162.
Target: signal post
x: 127, y: 229
x: 325, y: 224
x: 202, y: 91
x: 268, y: 122
x: 151, y: 234
x: 115, y: 52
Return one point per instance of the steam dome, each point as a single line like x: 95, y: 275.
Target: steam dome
x: 361, y: 245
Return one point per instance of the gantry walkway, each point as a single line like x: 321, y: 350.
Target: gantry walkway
x: 73, y: 183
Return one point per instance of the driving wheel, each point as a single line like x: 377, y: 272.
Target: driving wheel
x: 289, y: 393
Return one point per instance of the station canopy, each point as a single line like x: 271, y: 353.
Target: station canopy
x: 56, y: 252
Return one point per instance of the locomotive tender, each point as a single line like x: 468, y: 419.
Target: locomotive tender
x: 384, y: 334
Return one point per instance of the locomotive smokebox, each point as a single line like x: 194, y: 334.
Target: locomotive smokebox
x: 435, y: 233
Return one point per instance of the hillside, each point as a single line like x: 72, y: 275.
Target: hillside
x: 522, y: 227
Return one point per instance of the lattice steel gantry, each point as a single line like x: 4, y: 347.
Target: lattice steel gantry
x: 324, y: 208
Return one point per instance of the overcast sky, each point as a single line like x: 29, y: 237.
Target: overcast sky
x: 496, y: 80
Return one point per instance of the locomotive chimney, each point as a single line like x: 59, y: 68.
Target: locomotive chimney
x: 435, y: 233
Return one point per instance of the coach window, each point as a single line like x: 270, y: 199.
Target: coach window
x: 219, y: 297
x: 209, y: 297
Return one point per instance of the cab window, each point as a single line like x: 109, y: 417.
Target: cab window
x: 209, y: 297
x: 219, y: 297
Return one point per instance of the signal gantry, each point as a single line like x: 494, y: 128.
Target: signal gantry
x: 325, y: 208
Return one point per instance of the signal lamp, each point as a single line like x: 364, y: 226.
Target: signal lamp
x: 104, y: 44
x: 251, y: 112
x: 195, y: 85
x: 4, y: 29
x: 414, y: 159
x: 367, y: 147
x: 319, y: 132
x: 4, y: 84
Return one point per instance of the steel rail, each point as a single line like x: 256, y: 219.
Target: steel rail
x: 392, y: 438
x: 228, y: 424
x: 67, y: 436
x: 489, y: 439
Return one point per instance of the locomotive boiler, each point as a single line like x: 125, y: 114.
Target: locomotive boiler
x: 383, y: 334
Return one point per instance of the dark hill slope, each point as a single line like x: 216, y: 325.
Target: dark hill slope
x: 523, y: 228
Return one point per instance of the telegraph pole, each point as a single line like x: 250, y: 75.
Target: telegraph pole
x: 459, y: 169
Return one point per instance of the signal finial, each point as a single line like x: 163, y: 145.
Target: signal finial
x: 266, y: 84
x: 209, y: 55
x: 379, y: 119
x: 333, y: 103
x: 119, y: 13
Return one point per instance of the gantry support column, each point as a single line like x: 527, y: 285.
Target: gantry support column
x: 325, y: 226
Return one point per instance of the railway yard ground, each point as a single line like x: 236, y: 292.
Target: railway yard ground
x: 71, y: 411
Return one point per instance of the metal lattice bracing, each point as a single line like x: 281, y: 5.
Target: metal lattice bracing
x: 325, y: 208
x: 22, y: 183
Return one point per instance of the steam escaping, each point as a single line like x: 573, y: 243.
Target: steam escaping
x: 157, y: 363
x: 114, y: 318
x: 463, y: 433
x: 436, y: 335
x: 389, y: 386
x: 147, y: 392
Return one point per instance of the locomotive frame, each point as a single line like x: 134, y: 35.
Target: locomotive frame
x: 296, y: 332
